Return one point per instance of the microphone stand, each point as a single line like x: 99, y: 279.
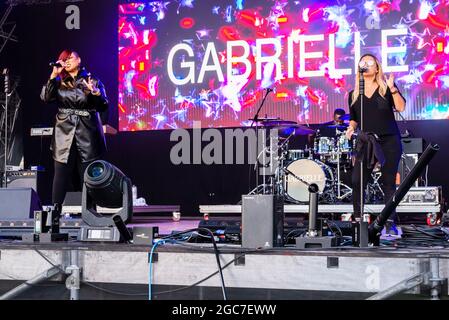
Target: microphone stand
x: 256, y: 120
x: 361, y: 231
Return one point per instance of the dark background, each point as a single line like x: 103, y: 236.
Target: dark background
x: 143, y: 156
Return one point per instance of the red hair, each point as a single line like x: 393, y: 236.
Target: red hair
x: 63, y: 56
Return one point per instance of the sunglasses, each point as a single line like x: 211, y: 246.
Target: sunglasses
x: 368, y: 63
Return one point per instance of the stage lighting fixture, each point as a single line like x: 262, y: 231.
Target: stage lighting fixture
x: 107, y: 187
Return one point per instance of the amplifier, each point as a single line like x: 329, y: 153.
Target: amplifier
x: 406, y: 165
x: 23, y: 179
x: 412, y: 145
x: 422, y: 195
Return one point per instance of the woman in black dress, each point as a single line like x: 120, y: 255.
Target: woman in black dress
x: 78, y: 137
x: 381, y: 98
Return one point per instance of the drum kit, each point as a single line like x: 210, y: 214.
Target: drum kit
x: 326, y: 163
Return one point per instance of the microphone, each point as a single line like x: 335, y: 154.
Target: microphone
x: 271, y: 89
x: 55, y: 64
x: 363, y: 67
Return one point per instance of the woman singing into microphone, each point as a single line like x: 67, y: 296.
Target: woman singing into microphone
x: 380, y: 99
x: 78, y: 137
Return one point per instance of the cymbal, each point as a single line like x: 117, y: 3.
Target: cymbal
x: 338, y: 126
x: 264, y: 119
x: 294, y: 130
x: 278, y: 123
x: 303, y: 131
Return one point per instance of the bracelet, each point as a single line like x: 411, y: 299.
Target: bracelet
x: 96, y: 93
x: 394, y: 92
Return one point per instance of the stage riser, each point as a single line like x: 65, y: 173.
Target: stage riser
x: 331, y: 208
x: 287, y: 270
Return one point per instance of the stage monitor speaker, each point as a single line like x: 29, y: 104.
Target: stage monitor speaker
x: 73, y: 198
x: 406, y: 164
x: 18, y: 203
x: 262, y: 221
x: 412, y: 145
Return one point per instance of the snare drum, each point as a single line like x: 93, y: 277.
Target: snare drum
x: 311, y: 171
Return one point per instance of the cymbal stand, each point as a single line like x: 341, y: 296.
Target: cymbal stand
x: 373, y: 189
x: 340, y: 196
x: 279, y: 181
x: 256, y: 121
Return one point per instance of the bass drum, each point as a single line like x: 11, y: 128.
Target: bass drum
x: 311, y: 171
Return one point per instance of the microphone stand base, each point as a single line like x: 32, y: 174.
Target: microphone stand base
x: 317, y: 242
x: 360, y: 234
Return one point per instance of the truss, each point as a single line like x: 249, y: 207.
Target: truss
x: 14, y: 104
x: 7, y: 29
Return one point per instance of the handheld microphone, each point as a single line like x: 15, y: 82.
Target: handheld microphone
x: 363, y: 67
x: 55, y: 64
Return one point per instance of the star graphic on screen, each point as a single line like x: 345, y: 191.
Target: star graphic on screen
x: 231, y: 91
x: 203, y: 33
x: 204, y: 94
x: 276, y: 11
x: 161, y: 117
x: 185, y: 3
x: 426, y: 8
x: 405, y: 23
x: 178, y: 97
x: 216, y: 10
x: 425, y: 39
x: 414, y: 77
x: 212, y: 109
x: 429, y: 67
x: 301, y: 91
x: 159, y: 7
x: 180, y: 114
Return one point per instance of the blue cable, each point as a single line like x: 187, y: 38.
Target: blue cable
x: 150, y: 274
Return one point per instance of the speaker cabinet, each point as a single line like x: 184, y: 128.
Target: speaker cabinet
x: 18, y: 203
x: 262, y: 221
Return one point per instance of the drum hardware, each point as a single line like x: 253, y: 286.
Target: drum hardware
x: 275, y: 151
x: 342, y: 147
x: 374, y: 192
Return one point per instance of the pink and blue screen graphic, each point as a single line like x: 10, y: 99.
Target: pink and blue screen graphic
x: 188, y: 61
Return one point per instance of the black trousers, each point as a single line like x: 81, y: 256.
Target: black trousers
x: 64, y: 173
x: 392, y: 149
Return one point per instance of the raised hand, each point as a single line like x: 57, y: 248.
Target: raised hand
x: 349, y: 132
x: 390, y: 81
x: 91, y: 86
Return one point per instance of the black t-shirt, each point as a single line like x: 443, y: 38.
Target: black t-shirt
x: 378, y: 113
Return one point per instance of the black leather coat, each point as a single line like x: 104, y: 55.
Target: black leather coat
x: 77, y: 119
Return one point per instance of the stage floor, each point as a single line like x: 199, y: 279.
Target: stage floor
x: 191, y: 268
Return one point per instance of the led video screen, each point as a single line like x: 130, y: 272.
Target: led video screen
x: 214, y: 61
